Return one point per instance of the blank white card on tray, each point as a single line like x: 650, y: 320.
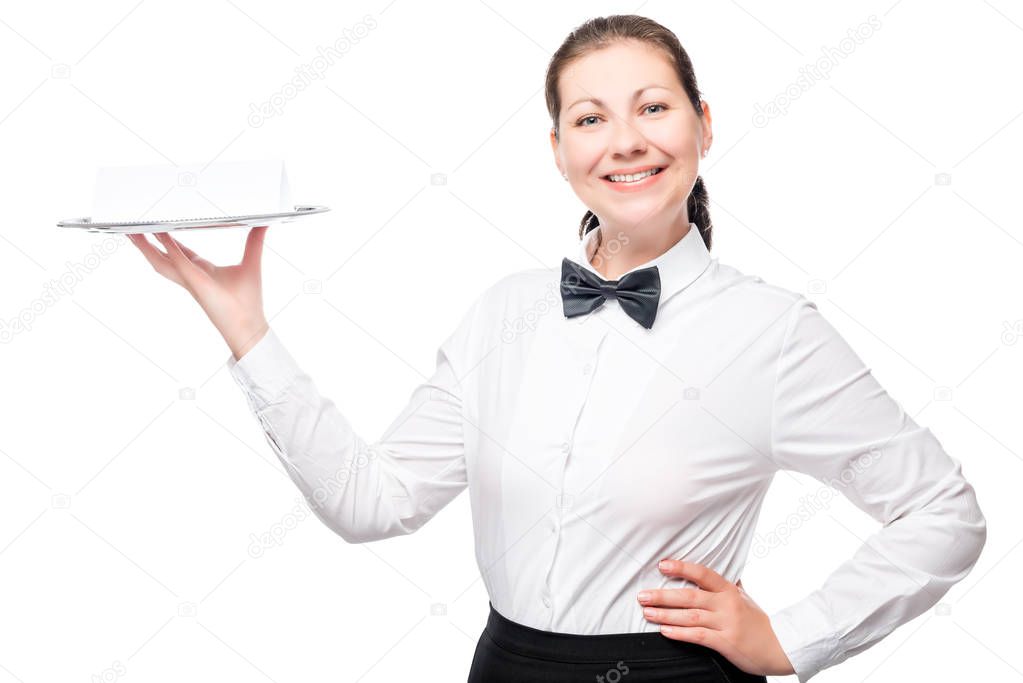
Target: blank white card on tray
x: 167, y: 192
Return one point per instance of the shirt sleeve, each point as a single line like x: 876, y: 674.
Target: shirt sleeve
x: 363, y: 491
x: 833, y: 421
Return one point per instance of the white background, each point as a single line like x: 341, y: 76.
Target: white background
x: 129, y: 504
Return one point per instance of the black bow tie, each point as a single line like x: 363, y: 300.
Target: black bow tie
x: 582, y: 291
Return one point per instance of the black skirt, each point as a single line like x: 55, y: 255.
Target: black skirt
x: 510, y: 652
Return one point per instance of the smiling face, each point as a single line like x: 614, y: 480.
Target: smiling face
x: 624, y: 111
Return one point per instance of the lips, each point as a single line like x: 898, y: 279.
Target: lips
x: 631, y: 171
x: 656, y: 170
x: 635, y: 185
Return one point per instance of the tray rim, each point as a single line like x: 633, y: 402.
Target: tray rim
x: 300, y: 210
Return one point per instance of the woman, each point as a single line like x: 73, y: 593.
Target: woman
x: 642, y: 416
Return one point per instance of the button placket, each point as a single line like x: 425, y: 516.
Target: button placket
x: 579, y: 390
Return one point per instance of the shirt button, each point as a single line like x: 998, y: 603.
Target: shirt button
x: 546, y: 601
x: 587, y: 368
x: 565, y: 448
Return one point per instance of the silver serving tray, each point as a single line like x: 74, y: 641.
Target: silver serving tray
x: 248, y: 221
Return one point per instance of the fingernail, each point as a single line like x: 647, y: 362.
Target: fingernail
x: 644, y: 596
x: 664, y: 564
x: 649, y: 611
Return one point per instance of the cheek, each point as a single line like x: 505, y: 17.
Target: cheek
x: 584, y: 155
x: 677, y: 136
x: 680, y: 145
x: 583, y: 144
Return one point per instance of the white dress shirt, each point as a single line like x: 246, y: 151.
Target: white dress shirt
x: 593, y: 447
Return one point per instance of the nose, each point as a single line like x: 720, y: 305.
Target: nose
x: 625, y: 138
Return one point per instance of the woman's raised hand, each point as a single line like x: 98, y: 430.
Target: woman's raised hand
x: 231, y: 296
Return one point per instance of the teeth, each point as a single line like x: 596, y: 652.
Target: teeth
x: 632, y: 177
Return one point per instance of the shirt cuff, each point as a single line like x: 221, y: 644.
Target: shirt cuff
x: 265, y: 371
x: 804, y: 634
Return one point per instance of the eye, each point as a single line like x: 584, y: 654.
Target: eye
x: 581, y: 121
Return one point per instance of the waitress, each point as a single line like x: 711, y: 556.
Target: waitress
x: 632, y: 406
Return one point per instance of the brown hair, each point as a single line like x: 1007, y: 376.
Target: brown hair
x: 601, y: 32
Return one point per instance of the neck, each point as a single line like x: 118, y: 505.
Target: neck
x: 622, y: 250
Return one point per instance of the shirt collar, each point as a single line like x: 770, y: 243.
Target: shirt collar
x: 677, y: 267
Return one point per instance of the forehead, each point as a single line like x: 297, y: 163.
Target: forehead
x: 615, y: 72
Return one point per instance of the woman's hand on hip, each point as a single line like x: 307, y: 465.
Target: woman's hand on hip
x: 718, y: 614
x: 231, y: 296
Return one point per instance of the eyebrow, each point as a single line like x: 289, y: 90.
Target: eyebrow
x: 600, y: 103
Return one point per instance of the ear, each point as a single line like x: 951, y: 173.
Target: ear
x: 708, y: 133
x: 554, y: 149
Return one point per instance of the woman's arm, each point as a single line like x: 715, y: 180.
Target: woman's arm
x: 362, y: 491
x: 833, y: 420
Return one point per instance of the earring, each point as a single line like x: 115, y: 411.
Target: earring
x: 565, y: 176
